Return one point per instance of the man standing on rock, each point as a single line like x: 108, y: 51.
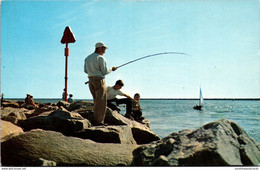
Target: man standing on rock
x: 95, y: 67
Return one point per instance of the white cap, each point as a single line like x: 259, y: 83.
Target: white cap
x: 100, y: 44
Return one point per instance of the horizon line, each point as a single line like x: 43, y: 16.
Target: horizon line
x: 160, y: 98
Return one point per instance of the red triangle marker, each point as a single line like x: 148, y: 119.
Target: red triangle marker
x: 68, y: 36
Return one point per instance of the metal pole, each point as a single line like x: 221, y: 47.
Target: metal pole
x: 66, y: 71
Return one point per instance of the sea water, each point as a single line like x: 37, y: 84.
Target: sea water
x: 167, y: 116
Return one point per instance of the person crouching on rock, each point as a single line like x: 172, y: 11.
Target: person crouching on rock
x: 112, y: 92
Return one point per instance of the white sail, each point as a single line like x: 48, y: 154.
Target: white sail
x: 201, y: 98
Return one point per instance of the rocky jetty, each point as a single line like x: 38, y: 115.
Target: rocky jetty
x: 62, y: 134
x: 219, y: 143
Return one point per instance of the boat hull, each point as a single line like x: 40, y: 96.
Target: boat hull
x: 197, y: 107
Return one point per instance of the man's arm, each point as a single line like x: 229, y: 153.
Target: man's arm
x: 85, y: 67
x: 129, y: 97
x: 103, y: 66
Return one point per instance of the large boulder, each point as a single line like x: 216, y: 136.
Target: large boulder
x: 108, y: 134
x: 26, y: 150
x: 82, y: 105
x: 115, y: 118
x: 14, y: 115
x: 219, y: 143
x: 44, y: 110
x: 63, y: 104
x: 39, y: 122
x: 9, y: 130
x: 111, y: 118
x: 60, y: 120
x: 63, y: 113
x: 141, y: 132
x: 10, y: 103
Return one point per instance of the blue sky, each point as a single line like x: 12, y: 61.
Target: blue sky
x: 222, y: 38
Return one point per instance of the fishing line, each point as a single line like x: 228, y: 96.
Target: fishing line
x: 148, y: 57
x: 151, y: 56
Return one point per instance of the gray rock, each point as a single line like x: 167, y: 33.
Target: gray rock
x: 115, y: 118
x: 86, y: 113
x: 63, y: 104
x: 108, y: 134
x: 81, y: 104
x: 161, y: 161
x: 14, y: 115
x: 38, y: 122
x: 63, y: 113
x: 141, y: 133
x: 112, y: 117
x: 73, y: 124
x: 26, y: 149
x: 44, y: 162
x: 146, y: 122
x: 44, y: 110
x: 60, y: 120
x: 10, y: 103
x: 220, y: 143
x: 9, y: 130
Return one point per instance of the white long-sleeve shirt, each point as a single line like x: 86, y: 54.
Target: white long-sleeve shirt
x: 95, y: 66
x: 112, y: 93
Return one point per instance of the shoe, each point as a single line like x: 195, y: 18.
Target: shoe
x: 127, y: 115
x: 118, y: 109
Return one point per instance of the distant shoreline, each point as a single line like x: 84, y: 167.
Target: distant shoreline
x: 149, y: 99
x: 198, y: 99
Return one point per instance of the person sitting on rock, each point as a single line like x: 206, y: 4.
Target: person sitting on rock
x: 32, y: 101
x: 29, y: 102
x: 70, y: 99
x: 112, y: 92
x: 137, y: 113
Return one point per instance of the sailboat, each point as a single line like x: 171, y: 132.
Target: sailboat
x: 199, y: 107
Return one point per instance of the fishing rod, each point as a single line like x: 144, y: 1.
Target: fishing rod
x: 151, y: 56
x: 148, y: 57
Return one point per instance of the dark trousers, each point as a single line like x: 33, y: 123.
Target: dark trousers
x: 137, y: 114
x: 126, y: 101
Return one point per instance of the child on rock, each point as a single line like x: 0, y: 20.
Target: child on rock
x: 137, y: 113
